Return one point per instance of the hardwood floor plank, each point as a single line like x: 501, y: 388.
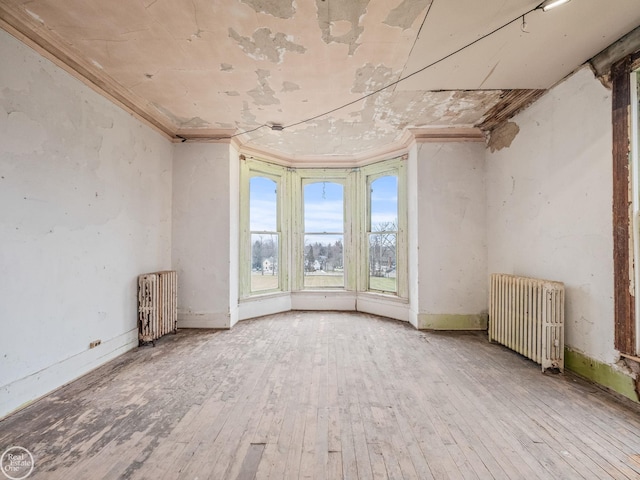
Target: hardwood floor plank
x: 250, y: 462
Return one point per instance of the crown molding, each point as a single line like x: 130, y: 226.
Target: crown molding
x: 392, y: 150
x: 447, y: 134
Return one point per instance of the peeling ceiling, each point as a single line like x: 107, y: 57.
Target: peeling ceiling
x: 205, y: 70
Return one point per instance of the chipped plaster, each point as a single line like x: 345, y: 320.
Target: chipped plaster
x: 277, y: 8
x: 330, y: 13
x: 503, y: 135
x: 247, y: 116
x: 370, y: 78
x: 263, y: 94
x: 406, y: 13
x: 290, y: 86
x: 264, y: 45
x: 326, y: 54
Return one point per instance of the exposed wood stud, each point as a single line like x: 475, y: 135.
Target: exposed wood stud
x: 511, y: 103
x: 622, y: 235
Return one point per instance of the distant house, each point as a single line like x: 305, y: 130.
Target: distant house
x: 269, y: 265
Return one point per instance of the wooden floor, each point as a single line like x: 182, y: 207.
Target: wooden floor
x: 326, y: 395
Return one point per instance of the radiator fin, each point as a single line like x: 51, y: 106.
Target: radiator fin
x: 527, y: 315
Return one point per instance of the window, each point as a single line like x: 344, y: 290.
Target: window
x: 263, y: 229
x: 323, y: 235
x: 265, y: 237
x: 384, y: 259
x: 323, y: 228
x: 382, y: 231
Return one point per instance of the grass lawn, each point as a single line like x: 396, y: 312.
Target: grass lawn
x: 382, y: 284
x: 323, y: 280
x: 261, y: 283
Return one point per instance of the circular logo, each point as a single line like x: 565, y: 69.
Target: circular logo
x: 17, y: 463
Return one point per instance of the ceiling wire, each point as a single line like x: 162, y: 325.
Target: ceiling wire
x: 396, y: 82
x: 424, y: 20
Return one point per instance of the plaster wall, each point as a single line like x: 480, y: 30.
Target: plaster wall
x: 205, y: 218
x: 452, y: 246
x: 549, y: 198
x: 85, y: 206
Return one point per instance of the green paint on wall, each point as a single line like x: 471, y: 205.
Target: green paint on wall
x: 600, y: 373
x: 428, y: 321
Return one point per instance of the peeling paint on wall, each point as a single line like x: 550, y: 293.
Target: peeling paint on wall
x: 406, y: 13
x: 277, y: 8
x: 226, y: 67
x: 502, y: 136
x: 330, y: 13
x: 232, y: 93
x: 263, y: 94
x: 264, y: 45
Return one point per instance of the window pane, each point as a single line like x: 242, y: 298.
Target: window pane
x: 263, y: 205
x: 382, y: 262
x: 384, y: 204
x: 323, y: 261
x: 323, y: 207
x: 264, y: 262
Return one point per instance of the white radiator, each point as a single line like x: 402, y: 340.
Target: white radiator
x: 527, y: 316
x: 157, y: 305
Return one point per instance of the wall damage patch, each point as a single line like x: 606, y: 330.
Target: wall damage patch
x: 290, y: 86
x: 265, y: 45
x: 330, y: 13
x: 370, y: 78
x: 263, y: 94
x: 406, y: 13
x: 277, y: 8
x: 502, y: 136
x: 247, y: 116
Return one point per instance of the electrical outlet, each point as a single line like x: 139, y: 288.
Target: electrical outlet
x: 95, y: 343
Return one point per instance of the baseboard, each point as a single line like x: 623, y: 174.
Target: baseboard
x: 323, y: 300
x: 387, y: 307
x: 438, y: 321
x: 20, y: 393
x: 264, y: 305
x: 204, y: 320
x: 600, y: 373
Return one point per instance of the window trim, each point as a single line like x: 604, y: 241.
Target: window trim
x: 634, y: 134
